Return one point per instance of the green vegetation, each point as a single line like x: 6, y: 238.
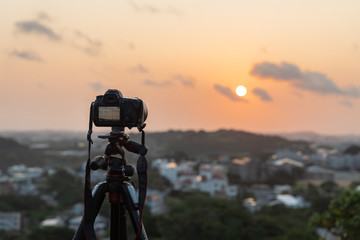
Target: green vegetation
x: 352, y: 150
x: 198, y: 216
x: 229, y: 142
x: 68, y: 188
x: 50, y: 233
x: 13, y: 153
x: 343, y: 216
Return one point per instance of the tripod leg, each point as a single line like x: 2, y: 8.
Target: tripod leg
x: 123, y: 233
x: 90, y: 214
x: 130, y: 202
x: 118, y: 222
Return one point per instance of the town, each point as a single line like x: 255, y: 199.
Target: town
x: 283, y: 176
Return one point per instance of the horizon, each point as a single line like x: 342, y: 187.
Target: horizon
x: 298, y: 61
x: 135, y: 131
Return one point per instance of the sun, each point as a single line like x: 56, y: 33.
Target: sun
x: 241, y: 91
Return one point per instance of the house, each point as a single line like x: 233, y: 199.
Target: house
x: 319, y: 173
x: 6, y: 186
x: 287, y: 164
x: 289, y: 201
x: 52, y: 222
x: 213, y: 182
x: 247, y: 169
x: 10, y: 221
x: 279, y: 189
x: 251, y: 204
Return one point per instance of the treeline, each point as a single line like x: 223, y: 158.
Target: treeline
x: 12, y: 153
x: 228, y: 142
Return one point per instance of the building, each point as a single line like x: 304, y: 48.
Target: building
x: 319, y: 173
x: 6, y: 186
x: 52, y: 222
x: 211, y: 178
x: 287, y: 164
x: 10, y: 221
x: 247, y: 169
x: 289, y: 201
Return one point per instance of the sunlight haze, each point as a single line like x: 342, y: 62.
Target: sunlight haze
x: 299, y: 61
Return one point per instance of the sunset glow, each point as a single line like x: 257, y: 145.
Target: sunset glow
x: 298, y: 62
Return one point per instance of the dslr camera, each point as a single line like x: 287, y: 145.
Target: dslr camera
x: 114, y: 110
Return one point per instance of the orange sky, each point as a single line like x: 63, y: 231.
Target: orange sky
x: 298, y: 59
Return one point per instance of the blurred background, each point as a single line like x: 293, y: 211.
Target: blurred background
x: 273, y: 161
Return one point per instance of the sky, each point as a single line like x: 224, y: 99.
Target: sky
x: 299, y: 61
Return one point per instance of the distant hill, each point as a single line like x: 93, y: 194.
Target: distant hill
x: 12, y: 152
x: 190, y: 144
x: 228, y: 142
x: 322, y: 139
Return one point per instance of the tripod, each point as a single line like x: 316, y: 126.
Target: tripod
x: 122, y: 195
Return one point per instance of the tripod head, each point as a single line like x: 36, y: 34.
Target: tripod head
x: 117, y: 167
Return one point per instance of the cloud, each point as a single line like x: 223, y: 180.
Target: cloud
x: 26, y: 55
x: 43, y: 16
x: 306, y: 80
x: 185, y: 81
x: 285, y: 71
x: 35, y: 27
x: 263, y: 94
x: 157, y: 84
x: 97, y: 86
x: 90, y: 41
x: 227, y: 92
x: 154, y: 10
x: 87, y: 44
x: 346, y: 103
x: 138, y: 69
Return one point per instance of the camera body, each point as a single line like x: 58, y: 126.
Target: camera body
x: 114, y: 110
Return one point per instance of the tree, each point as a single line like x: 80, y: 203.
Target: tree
x: 201, y: 217
x: 352, y: 150
x: 343, y: 216
x: 282, y: 223
x: 69, y: 188
x: 51, y: 233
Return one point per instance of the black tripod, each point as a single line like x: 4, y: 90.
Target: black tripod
x: 122, y: 195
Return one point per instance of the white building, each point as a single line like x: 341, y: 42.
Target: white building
x: 289, y: 201
x: 52, y: 222
x: 211, y: 178
x: 10, y: 221
x: 210, y: 181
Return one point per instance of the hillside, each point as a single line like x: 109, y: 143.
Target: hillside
x: 228, y: 142
x: 12, y: 152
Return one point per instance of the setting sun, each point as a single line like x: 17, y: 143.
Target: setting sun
x: 241, y: 91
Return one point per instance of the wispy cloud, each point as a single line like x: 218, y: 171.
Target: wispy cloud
x: 263, y: 94
x: 227, y: 92
x: 306, y: 80
x: 154, y: 10
x: 97, y: 86
x: 185, y: 81
x: 43, y: 16
x: 138, y: 69
x: 152, y: 83
x: 26, y: 55
x: 346, y: 103
x: 35, y: 27
x: 87, y: 44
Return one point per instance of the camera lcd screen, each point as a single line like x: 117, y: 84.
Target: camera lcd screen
x: 109, y: 113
